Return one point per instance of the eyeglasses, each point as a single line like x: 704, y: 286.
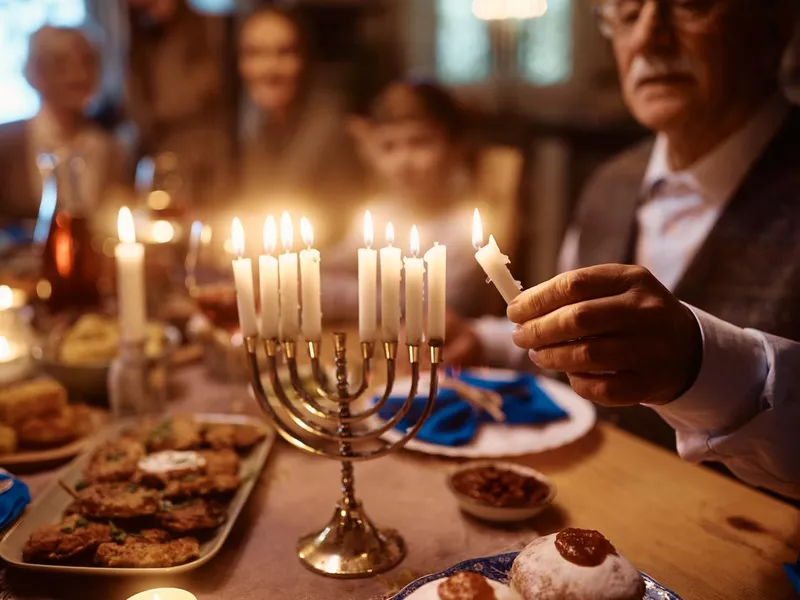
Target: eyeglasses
x: 619, y: 17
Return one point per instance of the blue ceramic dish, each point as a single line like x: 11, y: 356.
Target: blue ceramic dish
x: 498, y: 568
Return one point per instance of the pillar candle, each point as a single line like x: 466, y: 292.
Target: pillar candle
x: 310, y: 285
x: 268, y: 280
x: 243, y: 277
x: 415, y: 275
x: 130, y: 280
x: 367, y: 285
x: 287, y: 262
x: 493, y: 262
x: 436, y: 259
x: 391, y: 270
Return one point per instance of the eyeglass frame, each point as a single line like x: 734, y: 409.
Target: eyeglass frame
x: 665, y: 7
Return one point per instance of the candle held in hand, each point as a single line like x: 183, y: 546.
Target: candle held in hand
x: 310, y: 285
x: 130, y: 280
x: 436, y: 259
x: 268, y: 281
x: 493, y: 262
x: 290, y: 306
x: 391, y: 271
x: 367, y: 284
x: 243, y: 277
x: 415, y: 276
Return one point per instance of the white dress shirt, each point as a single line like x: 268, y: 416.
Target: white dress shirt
x: 744, y: 408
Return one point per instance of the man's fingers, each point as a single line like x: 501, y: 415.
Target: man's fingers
x: 595, y: 355
x: 617, y: 389
x: 568, y: 288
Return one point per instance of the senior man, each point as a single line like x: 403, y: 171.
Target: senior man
x: 681, y: 282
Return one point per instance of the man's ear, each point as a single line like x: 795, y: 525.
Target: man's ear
x: 31, y: 73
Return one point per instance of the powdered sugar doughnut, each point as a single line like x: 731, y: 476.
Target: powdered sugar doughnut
x: 591, y: 570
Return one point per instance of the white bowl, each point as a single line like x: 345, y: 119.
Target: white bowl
x: 501, y: 514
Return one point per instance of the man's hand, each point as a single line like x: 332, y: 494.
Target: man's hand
x: 463, y: 347
x: 621, y: 336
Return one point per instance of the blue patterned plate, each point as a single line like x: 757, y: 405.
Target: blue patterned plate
x: 497, y: 568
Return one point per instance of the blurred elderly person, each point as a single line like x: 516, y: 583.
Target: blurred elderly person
x: 686, y: 295
x: 63, y: 67
x: 294, y: 136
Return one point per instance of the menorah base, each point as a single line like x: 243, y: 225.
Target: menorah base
x: 350, y: 546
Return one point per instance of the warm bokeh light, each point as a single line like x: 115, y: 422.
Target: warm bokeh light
x: 6, y: 297
x: 5, y: 350
x: 369, y: 231
x: 270, y: 235
x: 159, y: 200
x: 125, y: 227
x: 162, y: 232
x: 477, y: 230
x: 287, y: 232
x: 389, y: 233
x: 494, y: 10
x: 44, y: 289
x: 306, y: 232
x: 414, y: 245
x: 237, y: 237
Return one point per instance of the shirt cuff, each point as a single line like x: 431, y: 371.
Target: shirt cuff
x: 494, y: 334
x: 728, y: 388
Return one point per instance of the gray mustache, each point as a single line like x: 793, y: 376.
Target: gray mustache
x: 644, y: 68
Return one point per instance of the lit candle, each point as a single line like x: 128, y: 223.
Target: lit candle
x: 391, y: 269
x: 243, y: 277
x: 367, y: 284
x: 415, y: 275
x: 290, y: 308
x: 436, y: 258
x: 15, y: 362
x: 164, y: 594
x: 493, y: 262
x: 268, y: 280
x: 311, y: 305
x: 130, y: 280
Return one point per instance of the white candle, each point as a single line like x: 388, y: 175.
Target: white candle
x: 164, y: 594
x: 290, y: 308
x: 15, y: 363
x: 268, y: 280
x: 415, y: 276
x: 130, y: 280
x: 243, y: 277
x: 310, y: 285
x: 493, y: 262
x: 391, y: 269
x: 367, y: 285
x: 436, y: 258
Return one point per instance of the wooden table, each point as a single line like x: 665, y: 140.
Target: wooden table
x: 701, y: 534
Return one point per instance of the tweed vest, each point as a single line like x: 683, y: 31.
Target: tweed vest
x: 747, y: 271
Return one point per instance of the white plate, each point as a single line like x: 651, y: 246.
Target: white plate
x: 498, y: 440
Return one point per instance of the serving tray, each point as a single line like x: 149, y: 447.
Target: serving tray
x: 51, y: 504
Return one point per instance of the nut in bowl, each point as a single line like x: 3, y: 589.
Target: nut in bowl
x: 501, y: 492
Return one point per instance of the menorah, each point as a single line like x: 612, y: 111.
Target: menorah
x: 349, y: 545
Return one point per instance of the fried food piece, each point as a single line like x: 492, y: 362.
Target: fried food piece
x: 466, y: 586
x: 117, y: 501
x: 115, y: 460
x: 195, y: 515
x: 181, y: 432
x: 159, y: 468
x: 202, y: 485
x: 151, y: 548
x: 72, y: 537
x: 30, y: 399
x: 8, y: 440
x: 220, y: 462
x: 239, y: 437
x: 47, y: 431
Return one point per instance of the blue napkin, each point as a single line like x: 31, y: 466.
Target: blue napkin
x: 14, y: 501
x: 455, y: 422
x: 793, y: 571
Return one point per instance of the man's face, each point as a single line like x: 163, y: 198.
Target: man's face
x: 693, y: 62
x: 158, y: 11
x: 66, y: 72
x: 410, y: 157
x: 271, y: 61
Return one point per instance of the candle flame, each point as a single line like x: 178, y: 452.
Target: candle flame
x: 6, y: 297
x: 287, y: 233
x: 369, y: 232
x: 414, y: 241
x: 237, y: 237
x: 389, y: 233
x: 306, y: 232
x: 125, y: 228
x: 5, y: 351
x: 477, y: 230
x: 162, y: 232
x: 270, y: 234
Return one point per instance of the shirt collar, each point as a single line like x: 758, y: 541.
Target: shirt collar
x: 721, y: 171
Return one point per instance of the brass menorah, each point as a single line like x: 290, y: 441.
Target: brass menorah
x: 349, y: 545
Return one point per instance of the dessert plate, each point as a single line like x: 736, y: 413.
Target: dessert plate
x: 497, y: 569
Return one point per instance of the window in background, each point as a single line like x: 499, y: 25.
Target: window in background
x: 214, y: 7
x: 463, y: 45
x: 545, y: 45
x: 18, y: 19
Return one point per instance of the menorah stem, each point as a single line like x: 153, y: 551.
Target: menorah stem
x: 343, y: 391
